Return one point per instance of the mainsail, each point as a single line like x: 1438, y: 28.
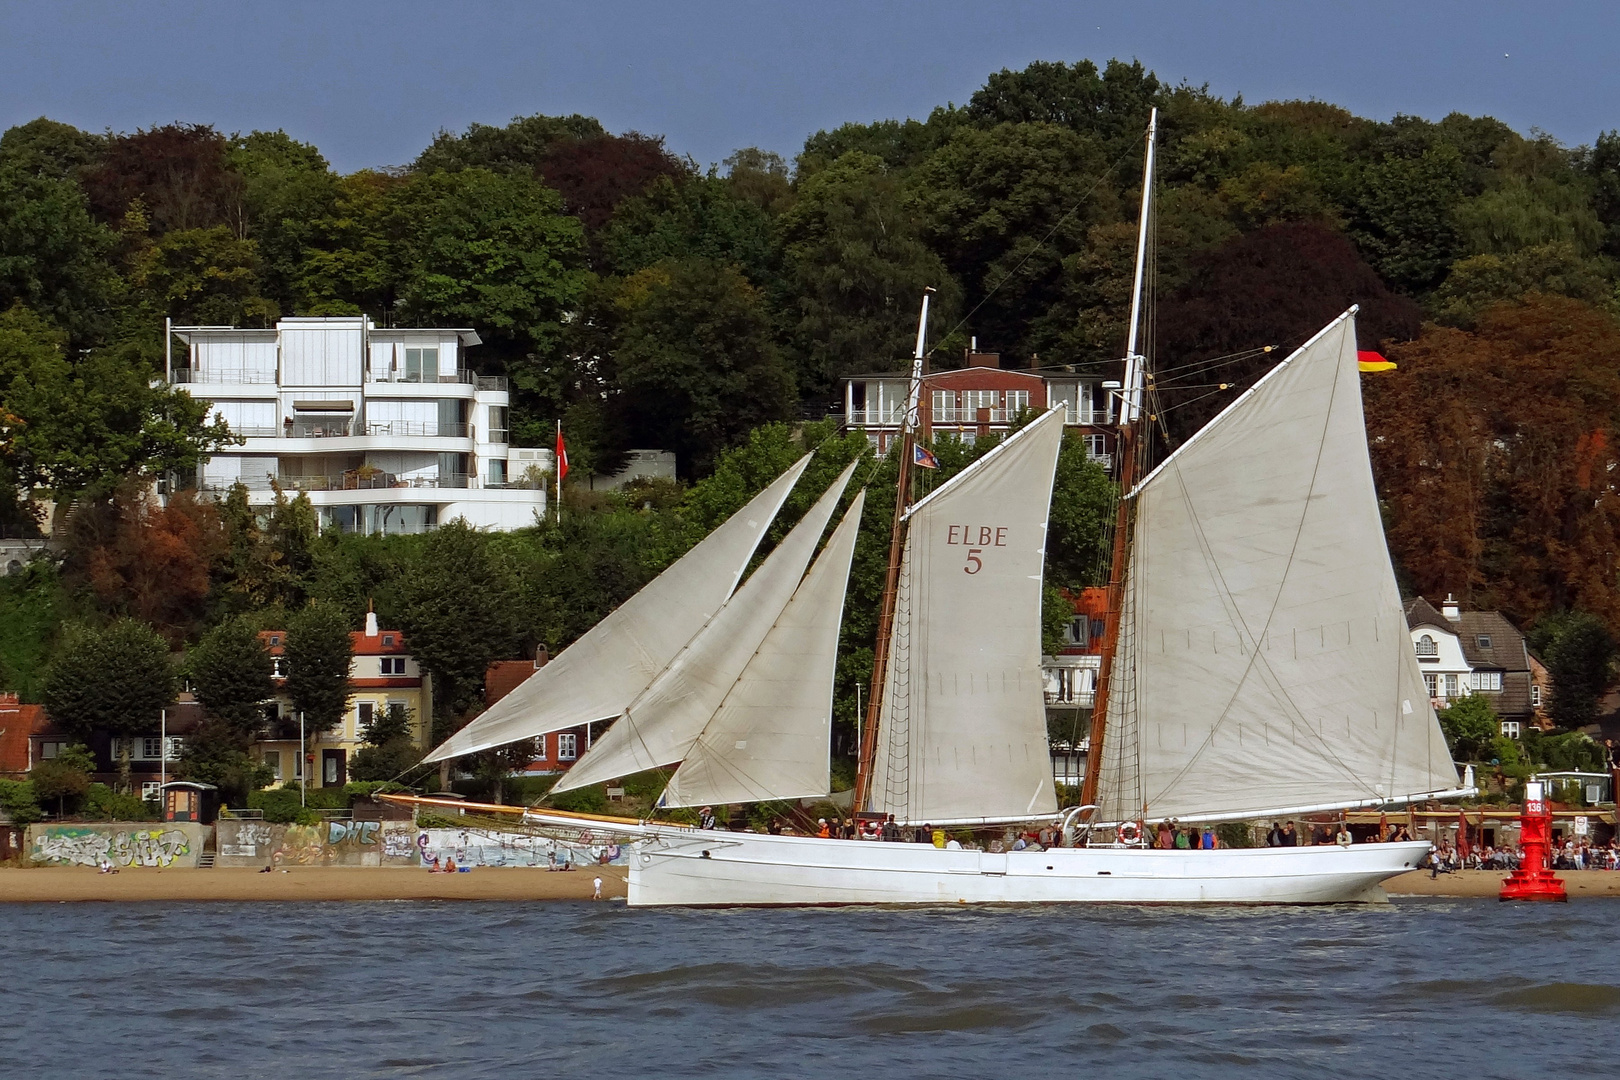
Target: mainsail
x: 600, y: 674
x: 772, y: 737
x: 660, y: 725
x: 1264, y: 662
x: 962, y: 734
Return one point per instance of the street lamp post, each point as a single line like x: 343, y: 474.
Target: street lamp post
x: 303, y: 764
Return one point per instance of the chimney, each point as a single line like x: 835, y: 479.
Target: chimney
x: 1450, y: 610
x: 541, y: 657
x: 371, y: 624
x: 984, y: 359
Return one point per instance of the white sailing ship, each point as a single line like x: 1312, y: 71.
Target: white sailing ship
x: 1260, y: 668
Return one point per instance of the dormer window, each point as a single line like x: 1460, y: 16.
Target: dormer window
x: 1484, y: 641
x: 388, y: 641
x: 1427, y: 649
x: 275, y: 640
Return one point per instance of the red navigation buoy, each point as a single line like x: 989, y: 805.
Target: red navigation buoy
x: 1532, y: 880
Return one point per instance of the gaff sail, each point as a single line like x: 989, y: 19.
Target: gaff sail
x: 597, y: 676
x: 659, y: 726
x: 772, y: 737
x: 1264, y: 661
x: 962, y: 733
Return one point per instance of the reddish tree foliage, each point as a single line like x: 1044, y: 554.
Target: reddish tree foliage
x: 1494, y: 453
x: 152, y: 562
x: 1275, y: 286
x: 596, y: 174
x: 178, y: 171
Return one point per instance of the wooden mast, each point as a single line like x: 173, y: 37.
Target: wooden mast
x: 1130, y: 411
x: 891, y: 581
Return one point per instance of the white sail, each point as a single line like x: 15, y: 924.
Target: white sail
x: 1264, y: 663
x: 962, y: 729
x: 602, y: 672
x: 772, y: 737
x: 660, y: 725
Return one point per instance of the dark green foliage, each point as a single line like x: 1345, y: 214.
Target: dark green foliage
x: 18, y: 803
x: 318, y: 652
x: 386, y: 762
x: 114, y: 680
x: 458, y: 606
x: 63, y: 779
x: 1471, y: 727
x: 102, y: 803
x: 230, y: 671
x: 217, y: 753
x: 1579, y: 652
x: 53, y: 257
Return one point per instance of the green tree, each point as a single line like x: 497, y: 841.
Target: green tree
x: 1471, y: 726
x: 205, y: 277
x: 17, y: 802
x: 48, y: 148
x: 519, y: 147
x: 700, y: 216
x: 82, y: 428
x: 492, y: 250
x: 1579, y: 652
x: 1083, y: 503
x: 53, y: 256
x: 63, y: 777
x: 319, y: 653
x: 115, y: 680
x: 458, y: 607
x: 1482, y: 281
x: 693, y: 361
x: 231, y: 674
x: 1404, y: 215
x: 217, y: 752
x: 855, y: 267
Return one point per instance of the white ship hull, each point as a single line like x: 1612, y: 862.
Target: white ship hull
x: 711, y: 868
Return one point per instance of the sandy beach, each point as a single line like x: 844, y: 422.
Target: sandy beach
x: 62, y: 884
x: 58, y: 884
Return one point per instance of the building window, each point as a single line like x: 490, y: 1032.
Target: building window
x: 943, y: 406
x: 1017, y: 401
x: 1510, y: 728
x: 151, y: 791
x: 1427, y: 649
x: 1431, y: 683
x: 272, y: 761
x: 1451, y: 686
x: 275, y: 640
x: 150, y: 748
x: 421, y: 365
x: 1484, y: 641
x: 48, y: 750
x: 1535, y: 695
x: 388, y: 641
x: 1096, y: 446
x: 497, y: 472
x: 363, y: 712
x: 540, y: 743
x: 278, y: 669
x: 567, y: 746
x: 393, y: 665
x: 1485, y: 680
x: 176, y: 745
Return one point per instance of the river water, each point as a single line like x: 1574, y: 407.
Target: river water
x: 409, y: 989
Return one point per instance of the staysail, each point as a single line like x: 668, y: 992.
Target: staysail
x: 659, y: 726
x: 602, y: 672
x: 1264, y: 662
x: 772, y: 737
x: 962, y: 733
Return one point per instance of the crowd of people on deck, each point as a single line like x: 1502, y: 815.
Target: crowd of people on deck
x: 891, y: 831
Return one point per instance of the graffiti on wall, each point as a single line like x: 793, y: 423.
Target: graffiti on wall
x: 479, y: 847
x: 348, y: 843
x: 88, y: 847
x: 249, y: 838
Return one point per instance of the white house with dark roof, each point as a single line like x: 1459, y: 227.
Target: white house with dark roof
x: 1472, y: 652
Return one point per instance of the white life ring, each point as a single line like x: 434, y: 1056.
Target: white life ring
x: 1130, y: 832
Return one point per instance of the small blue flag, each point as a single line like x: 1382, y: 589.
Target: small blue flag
x: 923, y: 457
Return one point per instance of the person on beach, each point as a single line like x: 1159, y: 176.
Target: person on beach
x: 596, y: 888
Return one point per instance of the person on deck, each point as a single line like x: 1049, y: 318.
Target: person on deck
x: 938, y: 836
x: 1290, y: 838
x: 1274, y: 838
x: 1209, y: 838
x: 823, y: 830
x: 923, y: 834
x: 891, y: 830
x: 706, y: 818
x: 1165, y: 838
x: 1343, y: 837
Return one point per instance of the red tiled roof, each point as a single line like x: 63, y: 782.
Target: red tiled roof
x: 386, y: 643
x: 17, y: 723
x: 504, y: 676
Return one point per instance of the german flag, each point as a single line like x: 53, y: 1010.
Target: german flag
x: 1371, y: 361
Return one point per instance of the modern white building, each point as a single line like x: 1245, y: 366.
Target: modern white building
x: 388, y: 431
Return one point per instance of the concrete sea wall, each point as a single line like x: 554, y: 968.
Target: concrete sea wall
x: 329, y: 843
x: 128, y: 844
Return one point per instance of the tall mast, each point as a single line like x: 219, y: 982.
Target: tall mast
x: 891, y: 581
x: 1130, y: 412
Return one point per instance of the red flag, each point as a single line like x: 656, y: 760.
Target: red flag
x: 562, y: 456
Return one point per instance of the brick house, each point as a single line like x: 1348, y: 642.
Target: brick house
x: 18, y: 723
x: 558, y: 750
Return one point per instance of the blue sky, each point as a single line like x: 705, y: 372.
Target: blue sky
x: 369, y: 83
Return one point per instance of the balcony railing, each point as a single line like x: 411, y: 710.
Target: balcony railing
x: 354, y: 480
x: 490, y: 382
x: 318, y: 429
x: 877, y: 417
x: 417, y: 427
x: 223, y: 375
x: 337, y: 429
x: 461, y: 375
